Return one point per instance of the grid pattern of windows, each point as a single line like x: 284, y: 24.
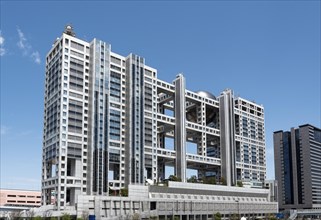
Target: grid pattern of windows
x: 114, y: 125
x: 114, y: 87
x: 298, y: 167
x: 115, y: 108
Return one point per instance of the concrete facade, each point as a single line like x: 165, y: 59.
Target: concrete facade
x: 109, y: 123
x: 272, y: 185
x: 180, y: 200
x: 18, y: 200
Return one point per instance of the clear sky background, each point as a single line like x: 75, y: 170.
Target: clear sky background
x: 266, y: 51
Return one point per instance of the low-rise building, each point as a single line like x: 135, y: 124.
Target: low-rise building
x: 181, y: 201
x: 12, y: 200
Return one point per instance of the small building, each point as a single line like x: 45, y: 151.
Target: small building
x: 18, y: 200
x: 180, y: 201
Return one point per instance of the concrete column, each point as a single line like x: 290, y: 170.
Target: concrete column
x: 201, y: 119
x: 180, y: 131
x: 97, y: 207
x: 161, y: 170
x: 294, y: 167
x: 228, y: 145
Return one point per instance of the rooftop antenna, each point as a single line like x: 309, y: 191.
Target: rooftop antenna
x: 69, y: 30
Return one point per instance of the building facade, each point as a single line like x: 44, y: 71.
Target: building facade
x: 181, y: 201
x: 272, y: 185
x: 298, y: 167
x: 109, y: 122
x: 11, y: 199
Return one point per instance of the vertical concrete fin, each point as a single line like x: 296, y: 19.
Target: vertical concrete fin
x: 227, y: 126
x: 180, y: 131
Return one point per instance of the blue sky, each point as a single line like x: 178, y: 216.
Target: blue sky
x: 266, y: 51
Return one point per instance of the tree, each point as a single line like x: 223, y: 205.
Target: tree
x: 223, y: 181
x: 124, y: 192
x: 239, y: 183
x: 15, y: 215
x: 217, y: 216
x: 192, y: 179
x: 111, y: 192
x: 65, y: 216
x: 272, y: 217
x: 31, y: 214
x: 210, y: 180
x: 47, y: 214
x: 234, y: 216
x: 136, y: 216
x: 174, y: 178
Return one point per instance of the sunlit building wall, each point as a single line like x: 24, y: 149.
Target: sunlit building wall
x: 110, y: 122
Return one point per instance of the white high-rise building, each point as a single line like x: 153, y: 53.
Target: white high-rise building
x: 110, y: 122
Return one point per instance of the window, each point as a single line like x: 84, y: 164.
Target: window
x: 77, y: 46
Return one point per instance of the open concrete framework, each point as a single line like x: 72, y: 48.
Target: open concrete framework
x: 109, y: 122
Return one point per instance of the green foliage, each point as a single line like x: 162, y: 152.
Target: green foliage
x: 210, y: 180
x: 53, y: 218
x: 223, y: 181
x: 239, y: 183
x: 272, y: 217
x: 124, y: 192
x: 136, y: 216
x: 234, y: 216
x: 165, y: 183
x: 46, y: 215
x: 65, y: 216
x: 174, y: 178
x: 217, y: 216
x: 37, y: 217
x: 111, y: 192
x: 192, y: 179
